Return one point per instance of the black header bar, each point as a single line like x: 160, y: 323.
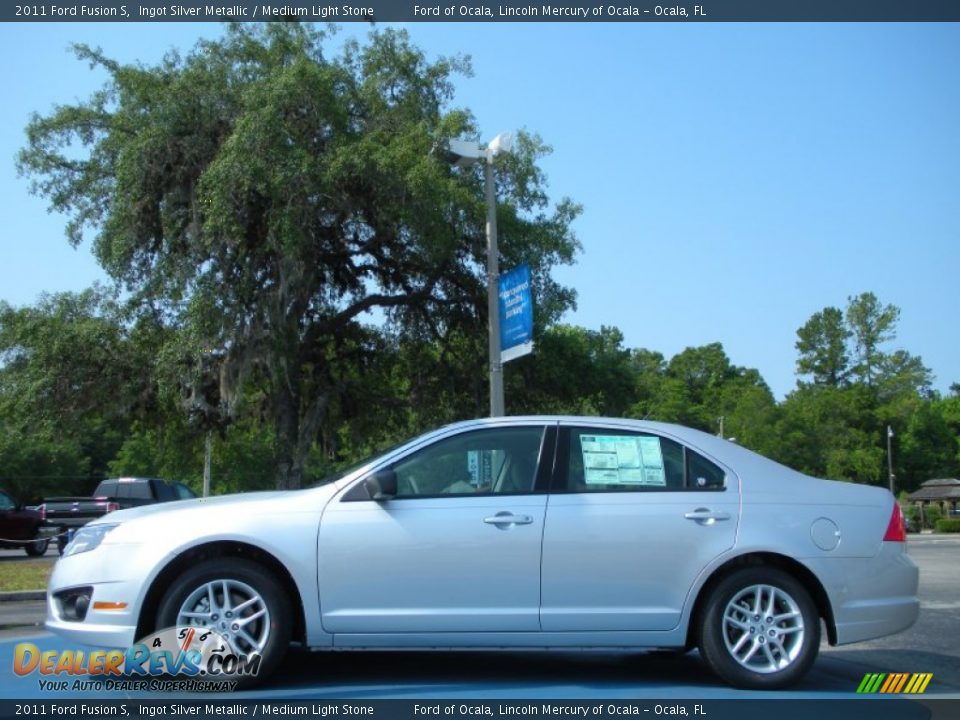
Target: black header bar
x: 484, y: 709
x: 485, y: 11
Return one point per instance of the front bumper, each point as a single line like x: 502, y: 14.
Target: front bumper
x: 114, y: 597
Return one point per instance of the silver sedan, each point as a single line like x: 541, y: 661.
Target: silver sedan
x: 506, y: 533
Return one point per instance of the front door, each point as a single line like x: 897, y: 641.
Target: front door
x: 457, y: 550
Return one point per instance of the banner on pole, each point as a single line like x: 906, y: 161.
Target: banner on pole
x: 516, y: 314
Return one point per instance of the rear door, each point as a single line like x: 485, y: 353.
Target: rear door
x: 631, y: 522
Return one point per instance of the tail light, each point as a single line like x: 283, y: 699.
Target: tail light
x: 43, y: 512
x: 111, y: 506
x: 896, y: 529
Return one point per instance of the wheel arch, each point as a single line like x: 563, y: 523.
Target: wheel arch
x: 795, y: 569
x: 218, y: 549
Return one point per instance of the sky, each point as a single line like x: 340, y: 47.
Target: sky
x: 735, y: 178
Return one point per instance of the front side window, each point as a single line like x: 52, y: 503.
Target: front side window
x: 6, y: 502
x: 498, y: 460
x: 600, y: 460
x: 183, y: 492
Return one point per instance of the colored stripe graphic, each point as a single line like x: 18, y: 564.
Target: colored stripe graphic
x: 871, y: 682
x: 894, y: 683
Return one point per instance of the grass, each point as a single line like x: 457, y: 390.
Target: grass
x: 24, y: 575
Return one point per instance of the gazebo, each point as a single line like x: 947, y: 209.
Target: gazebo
x: 944, y: 492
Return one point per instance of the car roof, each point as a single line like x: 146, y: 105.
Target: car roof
x: 735, y: 457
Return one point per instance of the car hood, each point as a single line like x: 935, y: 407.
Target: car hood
x: 239, y: 503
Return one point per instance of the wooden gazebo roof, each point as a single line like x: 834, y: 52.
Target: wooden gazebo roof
x: 937, y: 490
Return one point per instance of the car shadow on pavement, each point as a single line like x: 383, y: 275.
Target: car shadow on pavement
x: 400, y: 674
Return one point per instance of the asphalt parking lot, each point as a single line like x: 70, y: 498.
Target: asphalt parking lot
x: 930, y: 646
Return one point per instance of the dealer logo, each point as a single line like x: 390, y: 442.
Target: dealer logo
x: 191, y: 653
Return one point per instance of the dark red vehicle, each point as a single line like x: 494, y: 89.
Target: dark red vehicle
x: 20, y: 527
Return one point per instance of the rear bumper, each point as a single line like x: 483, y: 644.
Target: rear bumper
x: 871, y: 598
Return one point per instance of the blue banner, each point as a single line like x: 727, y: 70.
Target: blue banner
x: 516, y: 314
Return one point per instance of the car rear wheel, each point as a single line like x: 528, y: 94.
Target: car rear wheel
x: 239, y: 599
x: 759, y: 629
x: 37, y: 548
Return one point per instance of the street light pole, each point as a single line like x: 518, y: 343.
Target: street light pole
x: 466, y: 153
x: 497, y: 408
x: 890, y: 456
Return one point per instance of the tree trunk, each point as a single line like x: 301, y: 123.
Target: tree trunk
x: 289, y: 465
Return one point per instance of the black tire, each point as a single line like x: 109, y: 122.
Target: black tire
x: 37, y: 548
x: 770, y: 650
x: 245, y: 576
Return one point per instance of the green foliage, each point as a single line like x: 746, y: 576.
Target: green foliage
x: 262, y: 202
x: 948, y: 526
x: 32, y: 467
x: 871, y: 324
x: 265, y: 197
x: 822, y: 344
x: 931, y: 515
x: 574, y: 371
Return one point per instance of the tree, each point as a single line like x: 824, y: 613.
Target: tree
x: 831, y: 432
x: 822, y: 344
x: 265, y: 199
x: 574, y: 371
x: 75, y: 372
x: 871, y: 325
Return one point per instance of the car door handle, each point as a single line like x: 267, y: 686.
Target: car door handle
x: 507, y: 518
x: 706, y: 516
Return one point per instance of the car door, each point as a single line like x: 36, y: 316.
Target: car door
x: 456, y: 550
x: 632, y: 521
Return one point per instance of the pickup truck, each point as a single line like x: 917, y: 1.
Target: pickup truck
x: 64, y: 515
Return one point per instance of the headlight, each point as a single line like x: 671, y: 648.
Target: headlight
x: 87, y: 538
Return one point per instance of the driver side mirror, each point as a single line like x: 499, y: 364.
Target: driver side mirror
x: 382, y: 485
x: 378, y: 486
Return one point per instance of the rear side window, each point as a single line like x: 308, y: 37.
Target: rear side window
x: 617, y: 461
x: 138, y: 490
x: 108, y: 488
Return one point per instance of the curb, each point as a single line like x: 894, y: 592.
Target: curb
x: 22, y: 595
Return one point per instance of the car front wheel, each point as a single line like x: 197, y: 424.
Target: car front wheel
x: 239, y: 599
x: 760, y: 630
x: 37, y: 548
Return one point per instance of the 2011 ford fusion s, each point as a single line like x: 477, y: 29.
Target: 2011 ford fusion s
x: 536, y: 532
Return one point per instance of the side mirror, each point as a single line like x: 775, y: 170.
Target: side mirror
x: 378, y: 486
x: 382, y: 485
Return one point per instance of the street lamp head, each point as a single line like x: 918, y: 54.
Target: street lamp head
x: 501, y: 143
x: 463, y: 153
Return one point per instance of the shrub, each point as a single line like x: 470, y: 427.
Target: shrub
x: 948, y: 525
x: 932, y: 515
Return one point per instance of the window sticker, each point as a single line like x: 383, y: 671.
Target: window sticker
x: 622, y: 460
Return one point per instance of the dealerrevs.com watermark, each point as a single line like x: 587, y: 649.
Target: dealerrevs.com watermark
x: 184, y: 659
